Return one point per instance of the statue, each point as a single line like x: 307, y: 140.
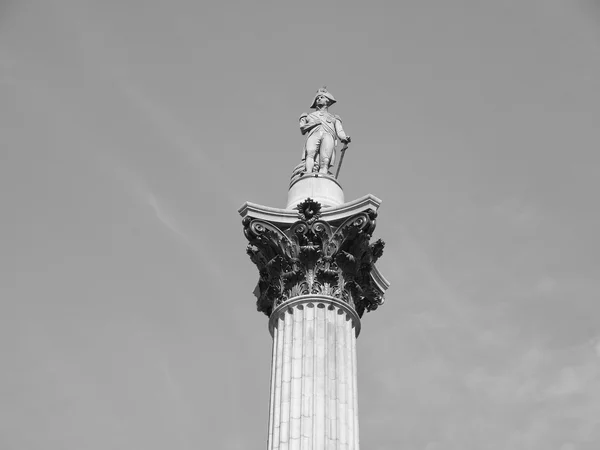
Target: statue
x: 323, y: 129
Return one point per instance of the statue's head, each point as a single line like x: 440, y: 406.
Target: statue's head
x: 322, y: 98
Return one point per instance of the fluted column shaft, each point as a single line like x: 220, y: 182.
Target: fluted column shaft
x: 314, y: 403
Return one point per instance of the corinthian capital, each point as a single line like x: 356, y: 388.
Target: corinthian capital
x: 315, y: 254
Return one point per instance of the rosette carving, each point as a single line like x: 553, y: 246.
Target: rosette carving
x: 312, y: 256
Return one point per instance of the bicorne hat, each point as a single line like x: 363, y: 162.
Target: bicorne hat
x: 324, y: 92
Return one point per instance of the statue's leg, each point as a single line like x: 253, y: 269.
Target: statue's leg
x: 312, y: 147
x: 325, y: 152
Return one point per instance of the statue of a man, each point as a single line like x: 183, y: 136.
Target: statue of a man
x: 324, y: 129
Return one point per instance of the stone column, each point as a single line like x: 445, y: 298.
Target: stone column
x: 317, y: 277
x: 313, y: 375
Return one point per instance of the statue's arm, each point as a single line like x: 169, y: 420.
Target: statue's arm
x: 340, y: 131
x: 306, y: 124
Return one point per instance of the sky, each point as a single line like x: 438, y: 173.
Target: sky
x: 131, y: 132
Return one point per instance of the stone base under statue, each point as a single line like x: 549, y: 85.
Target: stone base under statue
x: 320, y: 187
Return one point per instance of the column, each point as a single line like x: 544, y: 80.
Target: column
x: 313, y: 375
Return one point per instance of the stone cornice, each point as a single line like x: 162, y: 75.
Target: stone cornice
x: 379, y: 279
x: 280, y: 216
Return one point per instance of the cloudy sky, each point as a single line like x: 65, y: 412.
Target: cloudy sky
x: 131, y: 131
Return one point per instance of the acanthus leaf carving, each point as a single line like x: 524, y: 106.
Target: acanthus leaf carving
x: 312, y: 257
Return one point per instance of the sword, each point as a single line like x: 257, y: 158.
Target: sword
x: 343, y: 150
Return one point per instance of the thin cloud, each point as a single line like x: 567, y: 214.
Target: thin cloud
x: 166, y: 219
x: 168, y: 126
x: 110, y: 65
x: 517, y: 214
x: 141, y: 192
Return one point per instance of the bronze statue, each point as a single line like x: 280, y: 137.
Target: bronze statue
x: 324, y: 129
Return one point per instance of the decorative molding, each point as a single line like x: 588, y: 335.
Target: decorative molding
x: 312, y: 301
x: 281, y: 216
x: 312, y: 256
x: 299, y: 175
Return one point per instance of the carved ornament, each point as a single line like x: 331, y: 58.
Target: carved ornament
x: 313, y: 256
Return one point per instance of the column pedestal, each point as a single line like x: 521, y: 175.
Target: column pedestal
x: 322, y: 188
x: 314, y: 403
